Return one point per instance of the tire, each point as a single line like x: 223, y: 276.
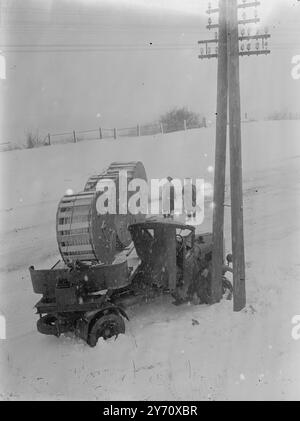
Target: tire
x: 105, y: 327
x: 47, y: 325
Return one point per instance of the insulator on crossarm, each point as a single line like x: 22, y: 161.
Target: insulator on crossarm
x: 249, y: 46
x: 249, y: 31
x: 209, y: 21
x: 216, y: 35
x: 242, y: 47
x: 257, y: 45
x: 208, y: 50
x: 217, y: 50
x: 201, y: 51
x: 243, y: 31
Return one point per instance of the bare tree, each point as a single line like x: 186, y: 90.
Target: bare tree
x: 174, y: 119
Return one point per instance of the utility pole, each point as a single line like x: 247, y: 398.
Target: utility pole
x: 236, y: 180
x: 220, y: 159
x: 227, y: 50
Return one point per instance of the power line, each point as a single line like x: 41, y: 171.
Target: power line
x: 144, y: 45
x: 133, y: 25
x: 141, y: 49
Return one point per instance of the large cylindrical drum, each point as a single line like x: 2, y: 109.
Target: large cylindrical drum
x: 85, y: 234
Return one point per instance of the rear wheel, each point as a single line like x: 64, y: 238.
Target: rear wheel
x: 48, y: 325
x: 105, y: 327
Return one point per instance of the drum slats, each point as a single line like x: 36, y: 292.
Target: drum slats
x: 87, y: 248
x: 78, y: 256
x: 111, y: 172
x: 79, y: 232
x: 66, y: 227
x: 74, y: 212
x: 74, y: 239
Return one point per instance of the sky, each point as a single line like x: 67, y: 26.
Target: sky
x: 84, y: 64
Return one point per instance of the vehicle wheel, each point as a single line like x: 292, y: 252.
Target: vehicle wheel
x: 48, y: 325
x: 106, y: 327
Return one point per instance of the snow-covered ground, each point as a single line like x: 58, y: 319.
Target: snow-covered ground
x: 163, y: 355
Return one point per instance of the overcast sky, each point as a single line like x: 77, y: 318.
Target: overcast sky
x: 90, y: 63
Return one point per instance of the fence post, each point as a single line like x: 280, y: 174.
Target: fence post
x: 115, y: 133
x: 161, y: 128
x: 184, y: 124
x: 100, y: 133
x: 74, y: 135
x: 138, y: 130
x: 49, y: 143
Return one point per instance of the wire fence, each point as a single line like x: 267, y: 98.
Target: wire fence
x: 116, y: 133
x: 103, y: 133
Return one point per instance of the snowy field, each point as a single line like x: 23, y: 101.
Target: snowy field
x: 246, y: 355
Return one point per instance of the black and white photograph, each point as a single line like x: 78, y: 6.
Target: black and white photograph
x: 149, y: 202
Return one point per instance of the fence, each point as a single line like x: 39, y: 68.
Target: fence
x: 115, y: 133
x: 4, y: 146
x: 75, y: 136
x: 9, y: 146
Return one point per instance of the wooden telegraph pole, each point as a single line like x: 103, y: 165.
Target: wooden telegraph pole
x: 220, y: 158
x: 236, y: 181
x: 228, y: 51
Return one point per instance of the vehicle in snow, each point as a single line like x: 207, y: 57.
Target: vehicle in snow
x: 104, y: 269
